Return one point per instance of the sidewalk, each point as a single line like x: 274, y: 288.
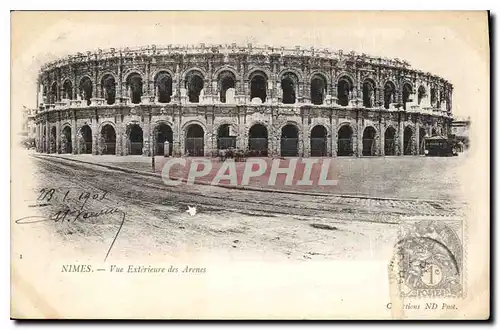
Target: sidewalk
x: 431, y: 178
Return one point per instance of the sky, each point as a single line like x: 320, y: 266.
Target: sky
x: 452, y: 45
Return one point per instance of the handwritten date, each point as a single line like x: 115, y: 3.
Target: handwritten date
x: 48, y: 194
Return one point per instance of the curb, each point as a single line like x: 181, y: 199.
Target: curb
x: 247, y: 188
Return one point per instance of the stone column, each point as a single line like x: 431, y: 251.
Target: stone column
x: 146, y: 132
x: 306, y: 141
x: 95, y: 136
x: 400, y: 151
x: 74, y: 130
x: 358, y: 88
x: 210, y: 140
x: 47, y: 137
x: 382, y: 124
x: 124, y: 140
x: 305, y: 93
x: 242, y: 138
x: 246, y: 92
x: 275, y: 140
x: 380, y: 97
x: 335, y: 123
x: 37, y: 137
x: 178, y: 135
x: 359, y: 129
x: 417, y: 137
x: 119, y: 135
x: 157, y: 94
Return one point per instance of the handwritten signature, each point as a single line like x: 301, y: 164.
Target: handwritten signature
x: 70, y: 215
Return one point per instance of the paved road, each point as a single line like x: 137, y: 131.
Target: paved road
x: 228, y: 222
x: 241, y: 201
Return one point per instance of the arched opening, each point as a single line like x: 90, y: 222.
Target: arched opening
x: 195, y: 141
x: 163, y: 87
x: 108, y: 86
x: 434, y: 132
x: 134, y: 87
x: 67, y: 90
x: 85, y: 140
x: 163, y: 132
x: 258, y: 86
x: 318, y: 89
x: 257, y: 140
x: 135, y: 139
x: 441, y: 98
x: 390, y: 141
x: 421, y: 139
x: 288, y: 88
x: 227, y: 81
x: 407, y: 139
x: 433, y: 97
x: 407, y: 91
x: 289, y: 141
x: 86, y: 89
x: 53, y: 93
x: 369, y: 142
x: 289, y: 84
x: 53, y: 137
x: 344, y: 141
x: 194, y: 86
x: 226, y: 139
x: 368, y: 94
x: 318, y: 141
x: 66, y: 146
x: 344, y: 87
x: 45, y: 95
x: 108, y: 140
x: 389, y: 94
x: 421, y: 94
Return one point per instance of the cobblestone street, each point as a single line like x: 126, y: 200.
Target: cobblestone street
x: 426, y: 178
x: 228, y: 223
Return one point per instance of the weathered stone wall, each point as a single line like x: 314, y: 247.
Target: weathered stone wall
x: 241, y: 119
x: 379, y: 93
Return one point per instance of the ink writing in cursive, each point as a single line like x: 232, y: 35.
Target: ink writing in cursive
x: 71, y: 215
x: 68, y: 215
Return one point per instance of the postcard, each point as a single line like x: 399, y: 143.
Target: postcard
x: 319, y: 165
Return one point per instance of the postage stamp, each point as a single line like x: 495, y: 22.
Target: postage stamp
x: 428, y: 260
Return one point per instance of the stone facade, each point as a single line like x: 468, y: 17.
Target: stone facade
x: 196, y: 97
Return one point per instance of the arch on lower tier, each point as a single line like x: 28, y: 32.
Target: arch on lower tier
x: 135, y: 139
x: 84, y: 139
x: 107, y: 143
x: 318, y: 138
x: 390, y: 141
x: 422, y: 134
x: 66, y: 139
x: 258, y: 139
x: 290, y: 140
x: 162, y: 132
x: 194, y: 136
x: 345, y: 134
x: 369, y: 141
